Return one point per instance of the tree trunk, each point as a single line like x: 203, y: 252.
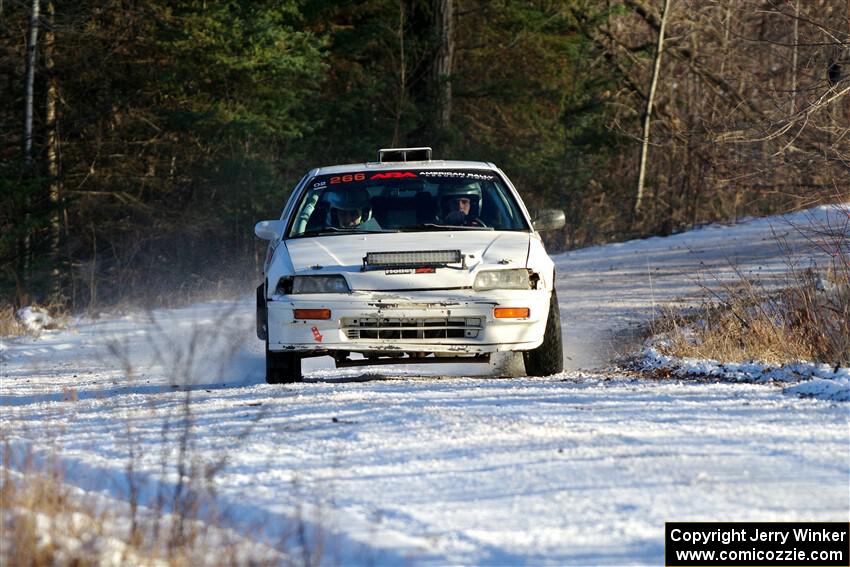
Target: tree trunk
x: 444, y: 64
x: 796, y: 39
x: 29, y: 88
x: 402, y: 81
x: 55, y: 187
x: 647, y: 119
x: 32, y: 42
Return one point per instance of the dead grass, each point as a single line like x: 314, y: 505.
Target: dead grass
x: 157, y: 521
x: 9, y: 326
x: 809, y: 319
x: 40, y: 524
x: 734, y: 331
x: 43, y: 522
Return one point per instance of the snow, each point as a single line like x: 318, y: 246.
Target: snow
x: 818, y: 380
x: 606, y: 290
x: 435, y: 465
x: 34, y: 319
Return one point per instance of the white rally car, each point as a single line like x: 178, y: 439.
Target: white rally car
x: 407, y: 261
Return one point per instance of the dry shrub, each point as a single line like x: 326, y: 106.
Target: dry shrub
x: 40, y: 524
x: 809, y: 319
x: 43, y: 522
x: 821, y: 310
x: 734, y: 331
x: 178, y: 522
x: 9, y: 326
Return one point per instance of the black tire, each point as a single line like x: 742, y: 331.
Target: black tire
x: 262, y: 314
x: 548, y: 358
x: 282, y: 367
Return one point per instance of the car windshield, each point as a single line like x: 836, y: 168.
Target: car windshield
x: 404, y: 201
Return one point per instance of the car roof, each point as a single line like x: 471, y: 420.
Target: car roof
x: 394, y: 165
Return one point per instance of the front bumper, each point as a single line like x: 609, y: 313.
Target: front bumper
x: 443, y: 322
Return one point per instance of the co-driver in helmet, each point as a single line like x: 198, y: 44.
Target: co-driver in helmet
x: 350, y: 208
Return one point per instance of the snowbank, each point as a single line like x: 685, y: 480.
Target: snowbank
x: 35, y: 319
x: 810, y: 379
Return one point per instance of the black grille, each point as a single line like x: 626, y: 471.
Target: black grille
x: 411, y: 329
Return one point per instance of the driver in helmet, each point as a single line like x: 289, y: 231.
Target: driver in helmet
x: 350, y: 208
x: 461, y: 204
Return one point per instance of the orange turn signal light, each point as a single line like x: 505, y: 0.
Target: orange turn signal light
x: 511, y: 312
x: 311, y: 313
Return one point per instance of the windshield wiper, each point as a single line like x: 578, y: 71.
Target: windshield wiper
x: 435, y: 226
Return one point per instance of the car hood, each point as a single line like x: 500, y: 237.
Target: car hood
x: 345, y: 253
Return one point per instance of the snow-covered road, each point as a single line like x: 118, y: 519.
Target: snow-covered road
x: 424, y: 465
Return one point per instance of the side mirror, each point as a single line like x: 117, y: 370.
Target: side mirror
x: 269, y: 229
x: 549, y: 219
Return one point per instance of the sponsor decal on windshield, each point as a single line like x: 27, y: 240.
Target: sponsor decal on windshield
x: 357, y: 177
x: 394, y: 175
x: 458, y: 175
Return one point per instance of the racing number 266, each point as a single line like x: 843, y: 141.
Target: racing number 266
x: 348, y: 178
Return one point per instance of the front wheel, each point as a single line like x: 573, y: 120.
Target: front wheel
x: 282, y: 367
x: 262, y: 314
x: 548, y: 358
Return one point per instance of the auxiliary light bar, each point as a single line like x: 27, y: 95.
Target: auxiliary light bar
x: 411, y: 259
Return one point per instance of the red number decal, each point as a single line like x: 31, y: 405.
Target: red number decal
x: 347, y: 178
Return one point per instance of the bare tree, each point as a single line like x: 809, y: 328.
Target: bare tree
x: 32, y: 44
x: 29, y: 97
x: 53, y: 147
x: 796, y: 40
x: 647, y: 118
x: 745, y: 118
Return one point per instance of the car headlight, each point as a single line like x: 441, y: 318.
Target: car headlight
x: 502, y: 279
x: 313, y: 284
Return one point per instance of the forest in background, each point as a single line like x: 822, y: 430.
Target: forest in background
x: 142, y: 140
